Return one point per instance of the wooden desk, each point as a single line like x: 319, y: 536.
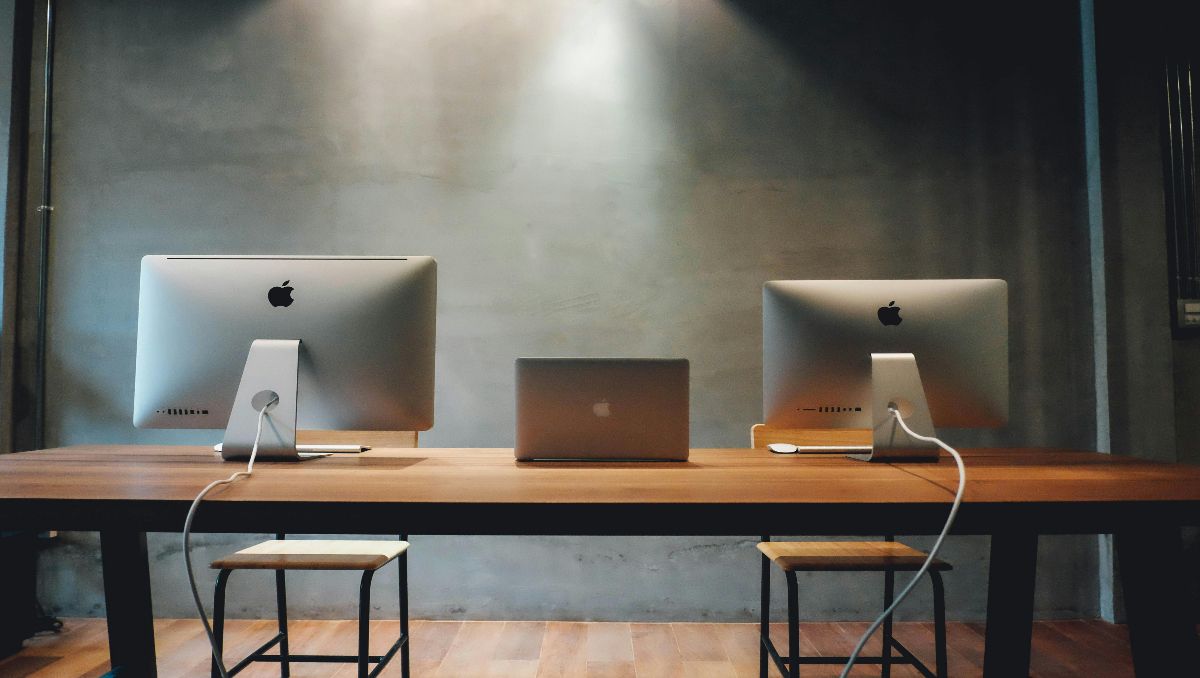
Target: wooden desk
x: 1013, y: 495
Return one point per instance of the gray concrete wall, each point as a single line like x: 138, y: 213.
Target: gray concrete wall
x: 595, y: 178
x: 1140, y: 362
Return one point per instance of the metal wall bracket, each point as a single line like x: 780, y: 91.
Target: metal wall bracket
x: 896, y: 382
x: 272, y: 370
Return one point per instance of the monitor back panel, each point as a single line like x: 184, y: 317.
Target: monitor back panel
x: 366, y: 326
x: 602, y: 408
x: 818, y: 337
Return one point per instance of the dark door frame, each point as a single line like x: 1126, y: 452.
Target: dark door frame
x: 26, y: 227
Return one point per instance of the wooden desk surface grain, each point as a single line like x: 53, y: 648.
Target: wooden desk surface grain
x: 484, y: 491
x: 1039, y: 475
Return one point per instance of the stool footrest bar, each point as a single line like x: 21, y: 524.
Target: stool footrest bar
x: 906, y: 658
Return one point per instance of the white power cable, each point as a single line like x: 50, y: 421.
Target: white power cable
x: 187, y: 536
x: 962, y: 486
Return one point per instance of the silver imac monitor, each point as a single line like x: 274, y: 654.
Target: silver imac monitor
x: 339, y: 342
x: 832, y: 348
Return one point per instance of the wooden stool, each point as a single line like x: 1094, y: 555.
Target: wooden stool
x: 317, y: 554
x: 886, y: 556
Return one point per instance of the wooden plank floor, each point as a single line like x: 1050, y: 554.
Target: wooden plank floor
x: 444, y: 649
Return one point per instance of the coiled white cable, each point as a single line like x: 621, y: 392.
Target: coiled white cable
x: 937, y: 545
x: 187, y: 536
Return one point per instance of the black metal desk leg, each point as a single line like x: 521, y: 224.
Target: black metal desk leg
x: 1153, y: 577
x: 764, y: 613
x: 1010, y: 605
x: 127, y: 603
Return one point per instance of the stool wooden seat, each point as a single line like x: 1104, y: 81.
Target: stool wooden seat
x: 846, y: 556
x: 887, y: 556
x: 313, y: 554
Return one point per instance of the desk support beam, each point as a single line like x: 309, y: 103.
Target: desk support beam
x: 1009, y: 630
x: 1161, y: 635
x: 127, y: 598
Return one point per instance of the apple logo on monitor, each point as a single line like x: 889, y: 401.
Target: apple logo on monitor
x: 890, y: 314
x: 601, y: 409
x: 280, y: 296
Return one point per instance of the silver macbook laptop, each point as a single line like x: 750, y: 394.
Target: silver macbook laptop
x: 602, y: 408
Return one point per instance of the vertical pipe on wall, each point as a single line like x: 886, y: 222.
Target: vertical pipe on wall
x: 1187, y: 182
x: 1095, y: 214
x: 1170, y: 164
x: 45, y: 208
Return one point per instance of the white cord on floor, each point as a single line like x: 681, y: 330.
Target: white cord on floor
x: 187, y: 537
x: 962, y: 486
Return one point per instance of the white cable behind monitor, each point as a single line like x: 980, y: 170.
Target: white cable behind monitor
x: 937, y: 545
x: 187, y: 537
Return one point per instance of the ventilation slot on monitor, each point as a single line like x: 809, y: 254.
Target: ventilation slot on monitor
x: 182, y: 411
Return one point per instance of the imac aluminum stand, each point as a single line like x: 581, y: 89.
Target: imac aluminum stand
x: 272, y: 371
x: 896, y: 382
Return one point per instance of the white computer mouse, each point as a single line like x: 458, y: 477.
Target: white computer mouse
x: 782, y: 448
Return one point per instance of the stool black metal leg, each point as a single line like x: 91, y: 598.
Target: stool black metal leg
x: 764, y: 613
x: 889, y: 591
x: 402, y: 561
x: 364, y: 622
x: 281, y: 611
x: 939, y: 622
x: 793, y: 625
x: 218, y: 620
